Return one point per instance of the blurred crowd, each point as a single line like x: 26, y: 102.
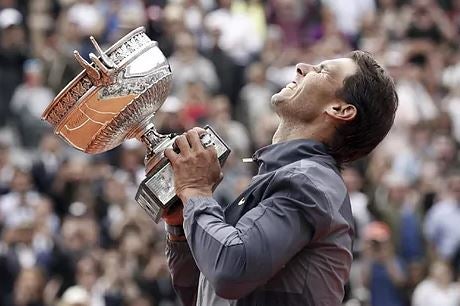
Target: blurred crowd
x: 71, y: 232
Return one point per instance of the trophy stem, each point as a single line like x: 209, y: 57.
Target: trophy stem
x: 151, y: 138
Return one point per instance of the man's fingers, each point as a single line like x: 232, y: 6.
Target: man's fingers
x: 183, y: 145
x: 199, y: 130
x: 194, y: 139
x: 171, y: 155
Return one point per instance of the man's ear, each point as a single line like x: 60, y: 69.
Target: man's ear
x: 342, y: 111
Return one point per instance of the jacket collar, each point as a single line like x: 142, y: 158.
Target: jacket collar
x: 277, y: 155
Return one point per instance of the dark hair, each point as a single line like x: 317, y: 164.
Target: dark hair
x: 372, y: 91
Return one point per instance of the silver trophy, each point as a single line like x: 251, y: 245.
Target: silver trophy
x: 115, y: 98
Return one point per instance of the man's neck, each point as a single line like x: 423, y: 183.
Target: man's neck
x: 295, y: 130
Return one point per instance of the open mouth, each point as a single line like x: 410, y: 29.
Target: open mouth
x: 292, y: 85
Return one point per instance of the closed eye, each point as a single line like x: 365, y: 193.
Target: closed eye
x: 320, y: 68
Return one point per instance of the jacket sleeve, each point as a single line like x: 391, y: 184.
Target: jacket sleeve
x: 184, y: 271
x: 238, y: 259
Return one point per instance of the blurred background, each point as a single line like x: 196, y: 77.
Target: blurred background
x: 71, y: 233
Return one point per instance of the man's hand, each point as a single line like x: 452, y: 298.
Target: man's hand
x: 196, y: 168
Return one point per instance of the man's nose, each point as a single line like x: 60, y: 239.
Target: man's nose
x: 303, y: 69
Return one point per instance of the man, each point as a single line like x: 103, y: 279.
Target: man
x: 287, y: 239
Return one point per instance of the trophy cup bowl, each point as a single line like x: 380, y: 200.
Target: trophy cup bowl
x: 115, y: 98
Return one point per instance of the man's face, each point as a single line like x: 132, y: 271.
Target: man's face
x: 313, y: 89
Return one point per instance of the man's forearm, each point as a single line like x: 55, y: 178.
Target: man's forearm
x: 184, y: 271
x: 236, y: 260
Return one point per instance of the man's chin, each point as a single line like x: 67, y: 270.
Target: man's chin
x: 277, y: 99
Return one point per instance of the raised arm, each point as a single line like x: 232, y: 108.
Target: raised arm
x: 184, y: 271
x: 236, y: 260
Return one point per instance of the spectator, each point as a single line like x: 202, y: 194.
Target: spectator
x: 168, y: 118
x: 429, y: 22
x: 49, y: 159
x: 224, y: 65
x: 6, y: 169
x: 17, y: 206
x: 59, y: 64
x: 88, y: 277
x: 399, y: 211
x: 445, y: 153
x: 351, y: 15
x: 255, y: 10
x: 255, y: 97
x: 233, y: 132
x: 441, y: 221
x: 189, y: 66
x: 13, y: 54
x: 299, y: 22
x: 416, y: 105
x: 75, y: 296
x: 87, y: 17
x: 196, y: 104
x: 384, y: 272
x: 359, y: 203
x: 394, y: 18
x: 120, y: 16
x: 451, y: 80
x: 28, y: 111
x: 438, y: 288
x: 29, y: 289
x: 193, y: 17
x: 410, y: 161
x: 239, y: 38
x: 172, y: 24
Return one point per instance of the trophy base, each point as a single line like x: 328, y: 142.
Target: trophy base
x: 156, y: 193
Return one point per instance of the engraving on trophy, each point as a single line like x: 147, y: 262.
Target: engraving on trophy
x: 133, y: 85
x: 161, y: 183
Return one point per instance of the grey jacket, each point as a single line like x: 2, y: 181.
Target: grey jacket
x: 286, y: 240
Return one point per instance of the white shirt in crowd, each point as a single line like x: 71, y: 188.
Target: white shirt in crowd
x: 239, y: 37
x: 350, y: 14
x: 428, y: 293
